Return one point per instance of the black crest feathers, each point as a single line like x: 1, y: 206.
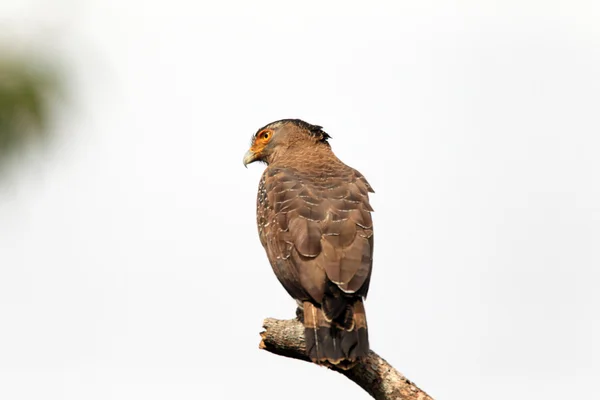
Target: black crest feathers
x: 314, y: 130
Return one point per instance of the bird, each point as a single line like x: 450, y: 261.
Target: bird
x: 314, y: 222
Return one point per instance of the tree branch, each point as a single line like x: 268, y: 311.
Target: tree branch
x: 373, y: 373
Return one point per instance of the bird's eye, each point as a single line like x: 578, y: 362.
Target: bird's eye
x: 265, y: 135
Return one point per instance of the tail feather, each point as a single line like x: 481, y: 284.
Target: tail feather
x: 341, y: 343
x: 334, y: 303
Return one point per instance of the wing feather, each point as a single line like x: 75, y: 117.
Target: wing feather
x: 318, y: 231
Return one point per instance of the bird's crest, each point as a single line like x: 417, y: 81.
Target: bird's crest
x: 314, y: 130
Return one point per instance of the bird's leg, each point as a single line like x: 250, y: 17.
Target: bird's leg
x: 300, y: 314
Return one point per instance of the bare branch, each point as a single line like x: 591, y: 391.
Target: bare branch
x: 375, y: 375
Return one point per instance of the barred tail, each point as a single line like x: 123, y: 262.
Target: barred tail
x: 339, y: 342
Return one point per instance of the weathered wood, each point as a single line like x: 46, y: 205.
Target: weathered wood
x: 375, y: 375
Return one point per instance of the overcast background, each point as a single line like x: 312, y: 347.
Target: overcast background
x: 130, y: 265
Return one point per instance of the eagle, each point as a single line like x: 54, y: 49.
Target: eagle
x: 314, y: 222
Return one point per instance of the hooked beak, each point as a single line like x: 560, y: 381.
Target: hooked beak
x: 249, y: 158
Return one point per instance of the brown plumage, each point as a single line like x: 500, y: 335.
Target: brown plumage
x: 314, y: 221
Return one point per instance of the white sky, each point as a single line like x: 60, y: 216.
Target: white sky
x: 130, y: 265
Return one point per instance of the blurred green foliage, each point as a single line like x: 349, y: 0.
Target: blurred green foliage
x: 28, y: 91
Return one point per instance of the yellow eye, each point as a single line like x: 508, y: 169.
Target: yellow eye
x: 265, y: 135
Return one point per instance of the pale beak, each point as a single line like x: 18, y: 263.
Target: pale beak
x: 249, y: 158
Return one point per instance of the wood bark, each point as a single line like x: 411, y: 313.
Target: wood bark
x: 375, y: 375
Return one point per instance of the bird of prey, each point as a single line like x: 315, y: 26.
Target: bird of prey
x: 314, y: 221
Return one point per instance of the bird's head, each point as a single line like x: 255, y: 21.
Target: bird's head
x: 278, y: 136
